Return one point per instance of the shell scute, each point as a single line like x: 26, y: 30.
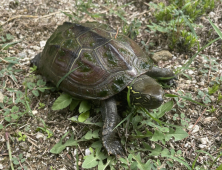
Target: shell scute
x: 99, y: 61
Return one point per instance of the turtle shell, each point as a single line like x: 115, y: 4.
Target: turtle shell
x: 98, y: 62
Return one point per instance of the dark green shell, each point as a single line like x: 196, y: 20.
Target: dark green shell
x: 103, y: 65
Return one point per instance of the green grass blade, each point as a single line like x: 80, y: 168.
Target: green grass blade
x: 216, y: 28
x: 186, y: 66
x: 59, y: 82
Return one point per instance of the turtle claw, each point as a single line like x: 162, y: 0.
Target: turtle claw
x: 172, y: 82
x: 113, y: 147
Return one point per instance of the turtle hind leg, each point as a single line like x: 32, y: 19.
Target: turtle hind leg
x: 35, y: 60
x: 111, y: 120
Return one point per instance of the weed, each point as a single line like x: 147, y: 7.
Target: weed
x: 132, y: 30
x: 87, y: 7
x: 138, y: 122
x: 45, y: 129
x: 82, y: 7
x: 21, y: 137
x: 18, y: 161
x: 174, y: 19
x: 41, y: 105
x: 194, y: 8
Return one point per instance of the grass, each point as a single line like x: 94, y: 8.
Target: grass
x: 176, y: 21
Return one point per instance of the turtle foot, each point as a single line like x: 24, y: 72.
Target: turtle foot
x: 172, y: 82
x: 113, y: 147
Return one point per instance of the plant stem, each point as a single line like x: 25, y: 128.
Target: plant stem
x: 9, y: 150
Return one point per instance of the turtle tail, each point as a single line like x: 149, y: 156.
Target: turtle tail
x: 35, y: 60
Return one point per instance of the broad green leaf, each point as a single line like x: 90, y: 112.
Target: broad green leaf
x: 169, y: 135
x: 178, y: 160
x: 14, y: 116
x: 97, y: 144
x: 19, y: 94
x: 20, y: 155
x: 139, y: 163
x: 123, y: 160
x: 157, y: 151
x: 148, y: 165
x: 84, y: 106
x: 220, y: 167
x: 62, y: 101
x: 133, y: 165
x: 22, y: 160
x: 83, y: 116
x: 166, y: 107
x: 42, y: 89
x: 157, y: 136
x: 141, y: 135
x: 74, y: 104
x: 16, y: 162
x: 87, y: 122
x: 35, y: 92
x: 92, y: 135
x: 41, y: 82
x: 102, y: 166
x: 8, y: 119
x: 30, y: 85
x: 14, y: 109
x: 165, y: 152
x: 90, y: 162
x: 59, y: 147
x: 180, y: 134
x: 9, y: 36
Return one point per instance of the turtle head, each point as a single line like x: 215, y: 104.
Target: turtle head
x: 35, y: 60
x: 146, y: 92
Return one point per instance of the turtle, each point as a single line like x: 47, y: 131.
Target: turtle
x: 91, y: 61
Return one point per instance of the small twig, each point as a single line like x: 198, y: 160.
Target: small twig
x: 9, y: 149
x: 44, y: 151
x: 194, y: 125
x: 196, y: 122
x: 146, y: 4
x: 14, y: 81
x: 29, y: 139
x: 117, y: 32
x: 215, y: 153
x: 140, y: 14
x: 31, y: 16
x: 81, y: 151
x: 208, y: 77
x: 28, y: 164
x: 13, y: 98
x: 3, y: 60
x: 25, y: 124
x: 20, y: 164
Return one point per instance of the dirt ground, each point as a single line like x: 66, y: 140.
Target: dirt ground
x: 33, y: 21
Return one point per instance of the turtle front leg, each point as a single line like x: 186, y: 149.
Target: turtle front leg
x: 159, y: 73
x: 109, y: 136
